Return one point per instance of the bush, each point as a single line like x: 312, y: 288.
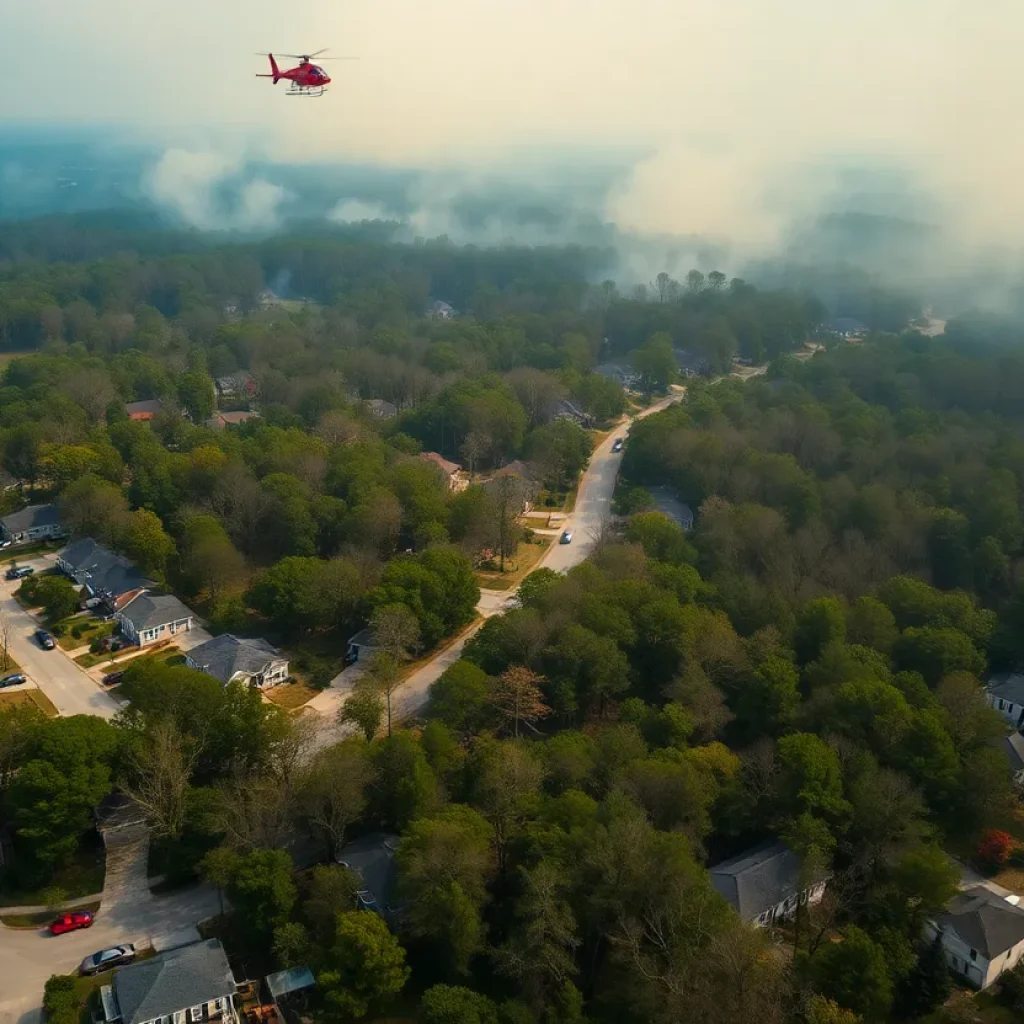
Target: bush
x: 59, y: 1000
x: 77, y: 631
x: 995, y: 848
x: 321, y: 677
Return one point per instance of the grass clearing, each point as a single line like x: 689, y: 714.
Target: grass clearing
x: 292, y: 695
x: 43, y: 917
x: 525, y: 560
x: 30, y: 695
x: 1011, y: 878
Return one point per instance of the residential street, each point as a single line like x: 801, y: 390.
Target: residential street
x: 64, y: 682
x: 593, y: 506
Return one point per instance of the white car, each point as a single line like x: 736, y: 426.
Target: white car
x: 106, y: 959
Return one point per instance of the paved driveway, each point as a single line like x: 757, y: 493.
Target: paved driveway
x: 64, y: 682
x: 128, y: 913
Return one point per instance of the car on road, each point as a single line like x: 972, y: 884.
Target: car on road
x: 71, y: 922
x: 17, y: 572
x: 5, y: 543
x: 15, y: 679
x: 365, y: 900
x: 566, y: 537
x: 107, y: 958
x: 113, y: 678
x: 617, y: 444
x: 45, y: 640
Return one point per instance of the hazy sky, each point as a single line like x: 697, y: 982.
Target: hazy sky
x: 741, y: 108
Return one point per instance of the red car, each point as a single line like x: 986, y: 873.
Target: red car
x: 71, y: 922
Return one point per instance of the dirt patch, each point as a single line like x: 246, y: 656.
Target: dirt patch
x: 290, y: 696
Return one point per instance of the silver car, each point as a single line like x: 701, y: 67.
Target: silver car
x: 106, y: 959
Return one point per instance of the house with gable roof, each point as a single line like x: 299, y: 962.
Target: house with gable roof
x: 234, y: 659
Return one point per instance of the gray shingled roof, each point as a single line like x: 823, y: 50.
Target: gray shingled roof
x: 100, y: 568
x: 1014, y: 747
x: 985, y: 921
x: 35, y: 516
x: 173, y: 981
x: 149, y: 610
x: 225, y: 655
x: 1008, y: 685
x: 758, y: 879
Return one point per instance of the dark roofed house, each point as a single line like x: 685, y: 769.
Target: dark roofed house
x: 982, y: 934
x: 360, y: 647
x: 145, y: 410
x: 35, y: 523
x: 230, y: 659
x: 148, y: 618
x: 104, y: 574
x: 764, y: 883
x: 1005, y: 693
x: 193, y: 983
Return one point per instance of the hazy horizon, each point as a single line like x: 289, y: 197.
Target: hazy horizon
x: 739, y: 123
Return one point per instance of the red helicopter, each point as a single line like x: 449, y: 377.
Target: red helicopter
x: 308, y: 79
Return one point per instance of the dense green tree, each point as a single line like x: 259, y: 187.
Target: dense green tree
x: 262, y: 891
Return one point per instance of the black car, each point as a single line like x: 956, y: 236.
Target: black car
x: 45, y: 640
x: 113, y: 678
x: 19, y: 572
x: 15, y: 679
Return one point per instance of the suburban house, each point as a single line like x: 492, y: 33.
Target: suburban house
x: 1005, y: 693
x: 242, y: 383
x: 982, y: 934
x: 220, y: 420
x: 148, y: 618
x: 380, y: 409
x: 452, y: 470
x: 623, y: 375
x: 563, y: 409
x: 360, y: 647
x: 847, y: 327
x: 230, y: 659
x: 372, y: 859
x: 691, y: 365
x: 193, y: 983
x: 37, y: 522
x: 1013, y: 747
x: 103, y: 574
x: 766, y: 883
x: 146, y: 410
x: 524, y: 478
x: 439, y: 310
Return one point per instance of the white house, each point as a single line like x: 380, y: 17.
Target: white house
x: 764, y: 884
x: 149, y: 618
x: 190, y: 984
x: 1005, y: 693
x: 35, y: 523
x: 982, y: 935
x: 232, y: 659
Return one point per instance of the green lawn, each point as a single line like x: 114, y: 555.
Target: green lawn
x: 89, y: 628
x: 82, y: 877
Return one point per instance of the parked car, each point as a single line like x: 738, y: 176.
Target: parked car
x: 113, y: 678
x: 19, y: 572
x: 45, y: 640
x: 566, y: 537
x: 6, y: 543
x: 14, y: 679
x: 617, y: 445
x: 71, y: 922
x: 107, y: 958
